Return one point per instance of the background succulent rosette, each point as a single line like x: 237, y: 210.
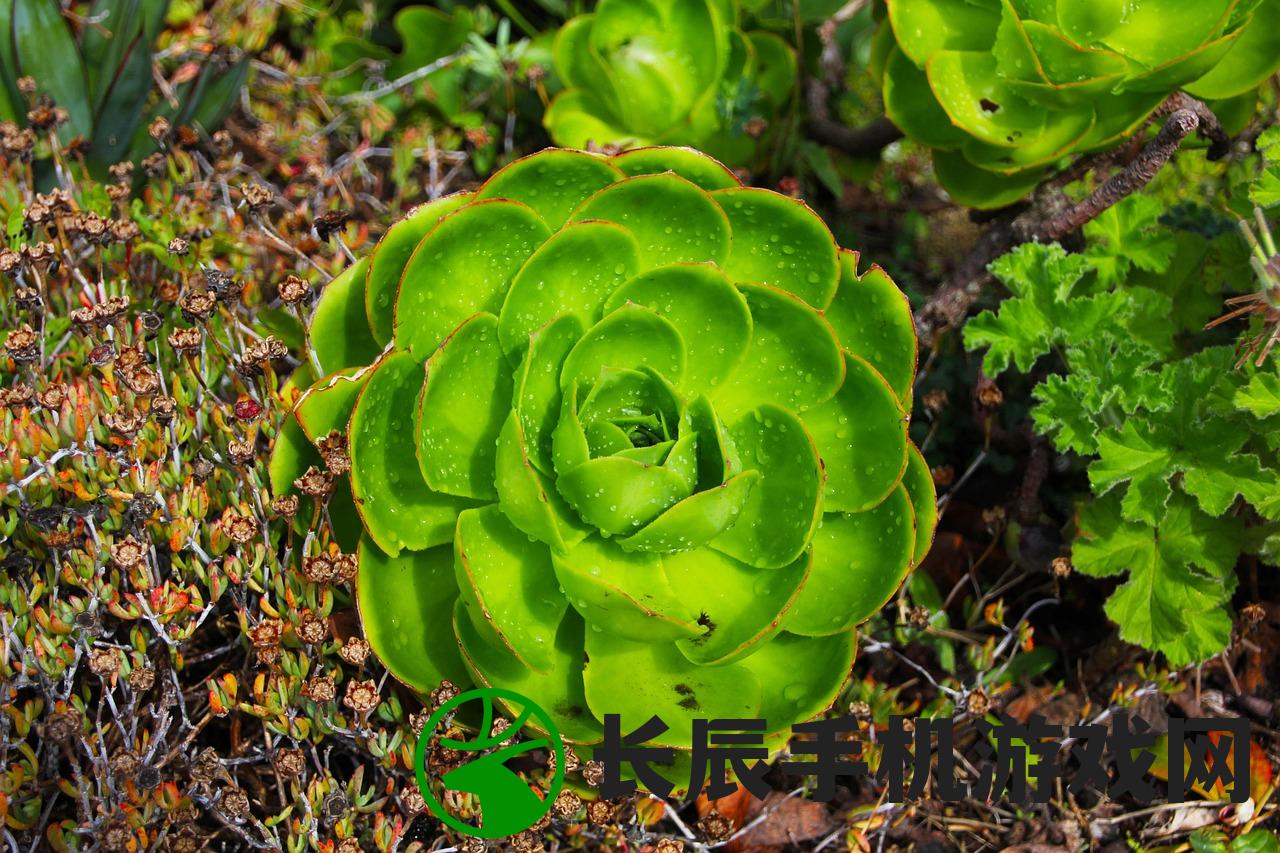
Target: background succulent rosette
x: 1002, y: 89
x: 626, y: 437
x: 673, y: 72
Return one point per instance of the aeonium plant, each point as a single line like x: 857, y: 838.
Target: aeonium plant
x: 669, y: 72
x: 625, y: 437
x: 1004, y: 89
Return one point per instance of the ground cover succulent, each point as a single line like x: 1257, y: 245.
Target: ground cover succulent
x: 624, y: 436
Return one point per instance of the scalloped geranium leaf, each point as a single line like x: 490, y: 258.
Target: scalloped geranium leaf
x: 1180, y: 566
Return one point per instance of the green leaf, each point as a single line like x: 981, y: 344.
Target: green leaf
x: 453, y: 274
x: 1127, y: 235
x: 695, y: 520
x: 572, y: 273
x: 918, y: 481
x: 783, y: 509
x: 709, y: 313
x: 339, y: 330
x: 392, y: 254
x: 779, y: 241
x: 688, y: 163
x: 44, y: 49
x: 406, y: 607
x: 794, y: 358
x: 559, y: 690
x: 536, y: 396
x: 508, y: 586
x: 464, y: 404
x: 631, y: 337
x: 528, y: 497
x: 637, y: 680
x: 1044, y: 313
x: 861, y: 435
x: 859, y: 561
x: 873, y: 320
x: 326, y: 406
x: 739, y: 607
x: 1261, y: 397
x: 399, y: 510
x: 552, y: 182
x: 1179, y: 575
x: 672, y: 219
x: 802, y: 675
x: 623, y: 592
x: 620, y: 495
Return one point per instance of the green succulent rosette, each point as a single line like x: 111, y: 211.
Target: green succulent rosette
x: 669, y: 72
x: 1003, y: 89
x: 625, y: 437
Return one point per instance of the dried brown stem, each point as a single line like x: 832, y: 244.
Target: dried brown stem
x: 1049, y: 217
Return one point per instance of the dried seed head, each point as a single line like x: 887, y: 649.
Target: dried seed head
x: 185, y: 841
x: 600, y: 812
x: 478, y: 136
x: 344, y: 568
x: 23, y: 344
x: 143, y: 381
x: 46, y: 115
x: 158, y: 129
x: 221, y: 141
x: 197, y: 305
x: 1253, y: 614
x: 977, y: 703
x: 361, y: 696
x: 285, y: 506
x: 918, y: 617
x: 334, y: 452
x: 257, y: 196
x: 9, y: 260
x: 163, y: 409
x: 418, y: 721
x: 988, y: 394
x: 39, y: 254
x: 412, y: 801
x: 201, y: 469
x: 125, y: 764
x: 289, y: 762
x: 355, y: 651
x: 266, y: 633
x: 240, y: 451
x: 121, y: 172
x: 1061, y: 567
x: 859, y: 710
x: 935, y: 401
x: 17, y: 396
x: 447, y: 691
x: 124, y: 423
x: 53, y: 396
x: 62, y: 726
x: 27, y: 85
x: 235, y: 804
x: 240, y: 529
x: 715, y: 826
x: 311, y: 629
x: 669, y: 845
x: 571, y: 761
x: 314, y: 483
x: 179, y: 246
x: 125, y: 230
x: 995, y: 516
x: 187, y: 136
x: 128, y: 554
x: 115, y: 836
x: 566, y: 804
x: 318, y: 569
x: 335, y: 805
x: 526, y: 842
x: 153, y: 165
x: 593, y: 773
x: 320, y: 689
x: 186, y: 339
x: 104, y: 662
x: 294, y: 290
x: 141, y: 679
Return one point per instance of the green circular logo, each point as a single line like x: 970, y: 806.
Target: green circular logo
x: 507, y: 803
